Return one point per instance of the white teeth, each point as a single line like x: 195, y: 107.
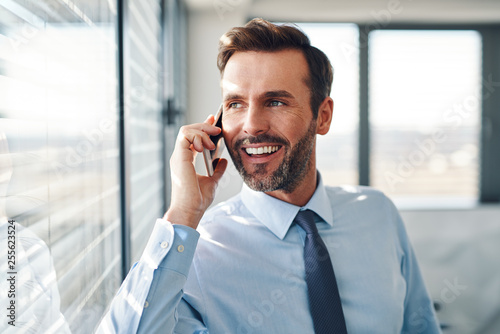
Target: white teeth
x: 261, y: 150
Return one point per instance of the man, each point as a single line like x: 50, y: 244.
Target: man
x: 252, y: 264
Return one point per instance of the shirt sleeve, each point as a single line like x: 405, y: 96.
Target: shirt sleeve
x: 419, y: 314
x: 150, y: 294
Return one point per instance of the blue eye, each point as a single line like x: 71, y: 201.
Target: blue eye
x: 276, y: 103
x: 235, y: 105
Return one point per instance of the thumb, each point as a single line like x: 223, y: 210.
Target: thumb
x: 219, y: 170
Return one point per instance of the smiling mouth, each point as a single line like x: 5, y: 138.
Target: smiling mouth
x: 261, y: 151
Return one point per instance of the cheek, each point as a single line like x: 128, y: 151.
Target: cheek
x: 229, y: 130
x: 289, y: 128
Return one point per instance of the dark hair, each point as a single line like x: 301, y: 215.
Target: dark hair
x: 261, y: 35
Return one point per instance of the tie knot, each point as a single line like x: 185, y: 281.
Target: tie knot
x: 305, y: 219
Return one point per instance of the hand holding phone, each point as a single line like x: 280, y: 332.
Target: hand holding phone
x: 192, y: 193
x: 211, y: 155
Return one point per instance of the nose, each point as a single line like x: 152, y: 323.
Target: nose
x: 255, y: 121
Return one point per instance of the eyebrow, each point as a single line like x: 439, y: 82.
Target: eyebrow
x: 278, y: 93
x: 232, y: 97
x: 269, y: 94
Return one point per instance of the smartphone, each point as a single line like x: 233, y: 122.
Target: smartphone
x: 210, y: 155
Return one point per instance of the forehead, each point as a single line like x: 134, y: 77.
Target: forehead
x: 257, y: 70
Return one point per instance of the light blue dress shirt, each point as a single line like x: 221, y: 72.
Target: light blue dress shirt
x: 243, y: 270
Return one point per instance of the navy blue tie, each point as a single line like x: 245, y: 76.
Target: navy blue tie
x: 324, y: 299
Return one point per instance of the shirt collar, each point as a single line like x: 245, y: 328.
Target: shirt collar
x: 278, y: 215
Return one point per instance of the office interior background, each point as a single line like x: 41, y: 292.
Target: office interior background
x: 92, y: 94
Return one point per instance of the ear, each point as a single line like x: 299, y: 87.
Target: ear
x: 324, y: 119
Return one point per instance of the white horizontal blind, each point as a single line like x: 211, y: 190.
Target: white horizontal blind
x: 59, y: 117
x: 143, y: 92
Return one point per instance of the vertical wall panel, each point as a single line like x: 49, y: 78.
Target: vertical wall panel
x: 143, y: 88
x: 174, y: 76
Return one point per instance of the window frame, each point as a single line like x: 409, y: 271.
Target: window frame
x: 489, y: 181
x: 172, y: 110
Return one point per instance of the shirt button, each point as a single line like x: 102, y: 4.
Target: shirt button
x: 180, y: 249
x: 164, y: 244
x: 146, y: 304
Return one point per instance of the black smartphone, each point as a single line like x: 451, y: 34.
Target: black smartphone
x: 210, y: 155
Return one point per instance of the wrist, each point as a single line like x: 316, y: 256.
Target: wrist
x: 180, y: 217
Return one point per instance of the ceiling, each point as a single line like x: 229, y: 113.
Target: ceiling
x: 361, y: 11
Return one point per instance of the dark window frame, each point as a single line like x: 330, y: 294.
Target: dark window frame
x: 489, y: 180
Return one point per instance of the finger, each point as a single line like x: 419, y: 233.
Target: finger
x: 197, y: 139
x: 210, y: 119
x: 202, y: 140
x: 199, y: 127
x: 198, y: 143
x: 211, y: 129
x: 219, y: 170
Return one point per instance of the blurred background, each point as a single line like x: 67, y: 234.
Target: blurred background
x: 92, y: 94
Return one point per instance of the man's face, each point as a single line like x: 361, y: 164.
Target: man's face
x: 267, y: 121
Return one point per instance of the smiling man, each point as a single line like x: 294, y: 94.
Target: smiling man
x: 288, y: 254
x: 268, y: 123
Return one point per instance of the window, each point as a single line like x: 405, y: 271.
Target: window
x: 143, y: 96
x: 425, y: 108
x: 337, y: 151
x: 83, y: 114
x: 414, y: 109
x: 58, y: 130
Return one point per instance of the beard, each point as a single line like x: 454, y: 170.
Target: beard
x: 290, y: 172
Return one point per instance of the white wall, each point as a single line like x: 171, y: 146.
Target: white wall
x: 204, y: 96
x: 458, y: 251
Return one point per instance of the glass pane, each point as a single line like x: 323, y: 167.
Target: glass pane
x: 337, y: 151
x: 59, y: 161
x: 425, y: 103
x: 143, y: 73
